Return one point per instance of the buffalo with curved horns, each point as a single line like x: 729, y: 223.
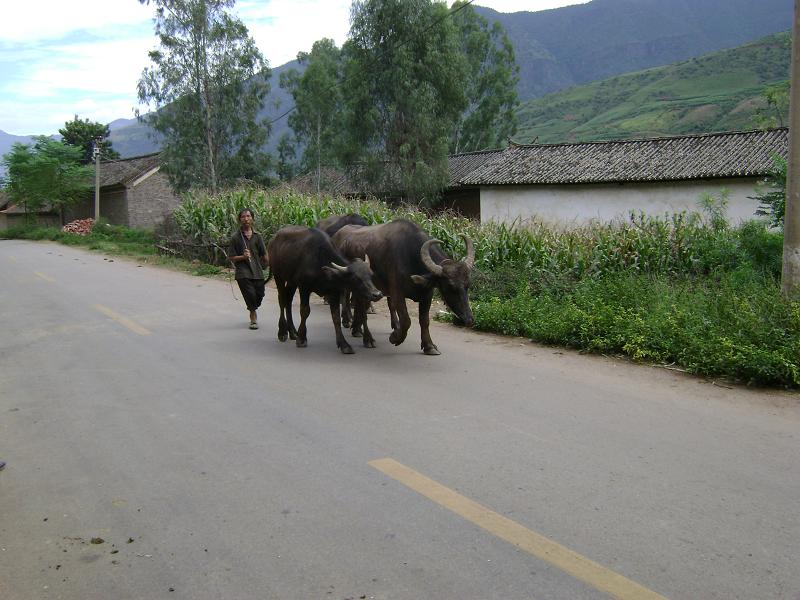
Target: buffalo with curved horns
x: 408, y: 263
x: 304, y: 258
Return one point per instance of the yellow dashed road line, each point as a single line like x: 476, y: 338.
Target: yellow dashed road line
x: 124, y: 321
x: 45, y: 277
x: 539, y: 546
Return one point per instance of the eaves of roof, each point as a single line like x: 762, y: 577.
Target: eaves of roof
x: 706, y: 156
x: 125, y: 171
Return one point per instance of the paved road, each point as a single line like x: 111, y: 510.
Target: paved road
x: 206, y: 460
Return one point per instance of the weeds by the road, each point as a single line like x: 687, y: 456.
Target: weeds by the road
x: 139, y: 245
x: 683, y: 290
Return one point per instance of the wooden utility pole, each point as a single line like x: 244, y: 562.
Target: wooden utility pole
x: 790, y: 279
x: 96, y: 154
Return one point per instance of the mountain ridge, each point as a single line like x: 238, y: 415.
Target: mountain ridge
x: 561, y: 48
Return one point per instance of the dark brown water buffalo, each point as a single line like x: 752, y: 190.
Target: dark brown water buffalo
x: 334, y: 223
x: 408, y: 263
x: 331, y: 225
x: 305, y: 259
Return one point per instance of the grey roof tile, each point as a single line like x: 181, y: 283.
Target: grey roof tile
x: 732, y: 154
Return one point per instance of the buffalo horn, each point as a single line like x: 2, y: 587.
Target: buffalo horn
x: 425, y: 255
x: 338, y: 267
x: 470, y: 259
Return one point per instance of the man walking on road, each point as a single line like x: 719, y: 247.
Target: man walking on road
x: 248, y: 253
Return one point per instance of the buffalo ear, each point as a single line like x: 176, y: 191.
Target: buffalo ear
x: 330, y: 272
x: 422, y: 280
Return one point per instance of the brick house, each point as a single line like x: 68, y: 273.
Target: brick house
x: 133, y: 192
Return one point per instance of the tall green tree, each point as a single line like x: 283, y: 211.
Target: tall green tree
x: 83, y: 134
x: 776, y: 111
x: 46, y: 174
x: 207, y: 84
x: 403, y: 95
x: 491, y: 83
x: 287, y: 157
x: 317, y: 100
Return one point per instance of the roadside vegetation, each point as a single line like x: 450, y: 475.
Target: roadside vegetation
x: 113, y: 240
x: 684, y: 291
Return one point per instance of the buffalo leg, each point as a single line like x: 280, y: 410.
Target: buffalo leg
x: 428, y: 347
x: 392, y: 314
x: 341, y: 342
x: 361, y: 310
x: 290, y: 290
x: 282, y: 329
x: 398, y: 306
x: 347, y: 314
x: 359, y: 318
x: 305, y: 310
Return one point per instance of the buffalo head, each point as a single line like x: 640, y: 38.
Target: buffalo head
x: 358, y: 277
x: 452, y: 279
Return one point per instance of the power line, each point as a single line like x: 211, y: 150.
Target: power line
x: 369, y: 66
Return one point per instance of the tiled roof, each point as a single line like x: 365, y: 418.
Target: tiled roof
x: 125, y: 170
x: 332, y: 181
x: 16, y: 209
x: 462, y: 165
x: 733, y: 154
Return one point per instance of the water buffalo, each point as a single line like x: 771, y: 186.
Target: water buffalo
x: 331, y: 225
x: 305, y: 259
x: 334, y: 223
x: 407, y: 263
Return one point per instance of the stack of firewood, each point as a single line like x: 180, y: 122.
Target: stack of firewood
x: 80, y: 226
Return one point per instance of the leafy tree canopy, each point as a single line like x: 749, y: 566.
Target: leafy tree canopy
x: 491, y: 83
x: 317, y: 99
x: 207, y: 82
x: 83, y: 134
x: 403, y: 95
x: 48, y: 173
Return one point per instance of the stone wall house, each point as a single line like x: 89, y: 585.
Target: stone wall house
x: 572, y: 184
x: 12, y: 214
x: 133, y: 192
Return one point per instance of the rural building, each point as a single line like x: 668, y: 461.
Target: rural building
x: 12, y: 215
x: 133, y: 192
x: 572, y: 184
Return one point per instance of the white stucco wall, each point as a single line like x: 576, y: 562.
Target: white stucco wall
x: 574, y: 205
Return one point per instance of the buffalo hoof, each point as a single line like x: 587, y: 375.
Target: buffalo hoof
x: 395, y: 338
x: 346, y: 323
x: 356, y: 332
x: 432, y: 351
x: 282, y: 337
x: 369, y: 343
x: 347, y: 350
x: 301, y: 343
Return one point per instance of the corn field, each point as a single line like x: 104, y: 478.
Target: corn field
x: 672, y: 245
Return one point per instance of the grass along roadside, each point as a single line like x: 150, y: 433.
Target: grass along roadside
x: 683, y: 290
x: 136, y: 245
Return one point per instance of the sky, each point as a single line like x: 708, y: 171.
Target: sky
x: 59, y: 58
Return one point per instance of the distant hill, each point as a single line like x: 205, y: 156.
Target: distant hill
x: 563, y: 47
x: 716, y: 92
x: 574, y: 45
x: 132, y: 138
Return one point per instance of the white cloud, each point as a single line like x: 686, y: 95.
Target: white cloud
x: 33, y: 20
x: 509, y: 6
x: 282, y: 28
x: 59, y: 58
